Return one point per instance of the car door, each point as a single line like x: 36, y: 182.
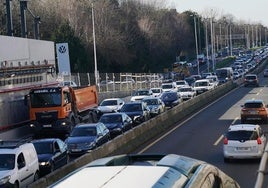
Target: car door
x: 58, y: 154
x: 25, y: 174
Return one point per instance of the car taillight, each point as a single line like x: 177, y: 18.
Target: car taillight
x: 259, y: 140
x: 262, y: 109
x: 225, y: 141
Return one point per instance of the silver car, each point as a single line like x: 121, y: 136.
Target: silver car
x: 243, y: 141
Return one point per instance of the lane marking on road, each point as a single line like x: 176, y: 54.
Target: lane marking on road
x: 170, y: 131
x: 218, y: 141
x: 222, y: 136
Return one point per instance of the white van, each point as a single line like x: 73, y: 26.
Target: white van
x: 18, y: 164
x: 145, y: 171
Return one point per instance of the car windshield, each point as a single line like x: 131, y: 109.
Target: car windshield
x: 108, y: 103
x: 185, y: 89
x: 143, y: 92
x: 250, y: 77
x: 253, y: 105
x: 131, y: 108
x: 167, y: 86
x: 111, y: 119
x: 180, y: 83
x: 156, y: 90
x: 83, y: 131
x: 7, y: 161
x: 242, y: 135
x: 197, y: 84
x: 43, y: 147
x: 169, y: 96
x: 151, y: 101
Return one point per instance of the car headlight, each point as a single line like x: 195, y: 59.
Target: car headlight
x: 137, y: 117
x: 46, y: 163
x: 90, y: 145
x: 4, y: 180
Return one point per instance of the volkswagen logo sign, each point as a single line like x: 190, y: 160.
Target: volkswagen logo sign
x: 62, y: 49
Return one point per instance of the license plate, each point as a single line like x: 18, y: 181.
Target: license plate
x: 253, y: 112
x: 242, y: 148
x: 76, y: 150
x: 49, y: 125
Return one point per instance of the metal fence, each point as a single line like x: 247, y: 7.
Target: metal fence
x: 116, y: 81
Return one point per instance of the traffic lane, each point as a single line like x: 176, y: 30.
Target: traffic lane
x: 197, y: 137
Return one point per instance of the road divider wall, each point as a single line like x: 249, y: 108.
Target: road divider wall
x: 134, y: 138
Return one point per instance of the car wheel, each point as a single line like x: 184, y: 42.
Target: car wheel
x: 36, y: 176
x: 226, y: 160
x: 16, y: 184
x: 67, y: 158
x: 52, y: 167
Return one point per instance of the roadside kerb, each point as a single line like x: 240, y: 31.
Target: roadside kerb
x: 139, y: 135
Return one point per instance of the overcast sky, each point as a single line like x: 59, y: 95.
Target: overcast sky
x: 251, y: 11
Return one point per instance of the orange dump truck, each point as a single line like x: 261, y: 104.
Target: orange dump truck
x: 56, y: 110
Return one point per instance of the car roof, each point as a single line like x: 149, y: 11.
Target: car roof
x: 254, y: 101
x: 238, y: 127
x: 109, y: 99
x: 45, y: 140
x: 125, y: 170
x: 87, y: 124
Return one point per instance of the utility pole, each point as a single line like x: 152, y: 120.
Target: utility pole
x: 95, y: 51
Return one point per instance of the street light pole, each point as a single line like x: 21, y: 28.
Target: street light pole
x: 94, y: 43
x: 196, y: 45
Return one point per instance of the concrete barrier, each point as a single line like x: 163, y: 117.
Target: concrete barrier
x: 139, y: 135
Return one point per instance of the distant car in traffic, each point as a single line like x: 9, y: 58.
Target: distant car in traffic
x: 117, y: 123
x: 251, y: 80
x: 155, y: 104
x: 157, y: 92
x: 171, y: 99
x: 243, y: 141
x: 254, y: 110
x: 138, y: 111
x: 52, y: 154
x: 68, y: 83
x: 110, y: 105
x: 186, y: 92
x: 181, y: 83
x: 86, y: 137
x: 140, y: 94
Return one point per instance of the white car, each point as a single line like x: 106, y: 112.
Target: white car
x: 243, y: 141
x: 157, y: 91
x: 171, y: 86
x: 19, y: 165
x: 214, y: 79
x: 203, y: 85
x: 111, y: 105
x: 68, y: 83
x: 186, y: 92
x: 140, y: 94
x: 181, y: 83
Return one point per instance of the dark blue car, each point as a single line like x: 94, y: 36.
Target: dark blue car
x: 117, y: 123
x: 137, y: 111
x: 86, y: 137
x: 170, y: 99
x: 52, y: 154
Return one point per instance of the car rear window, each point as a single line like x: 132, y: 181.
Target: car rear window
x: 253, y: 105
x: 251, y: 77
x: 242, y: 135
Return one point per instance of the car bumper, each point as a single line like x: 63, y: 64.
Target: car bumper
x: 242, y: 155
